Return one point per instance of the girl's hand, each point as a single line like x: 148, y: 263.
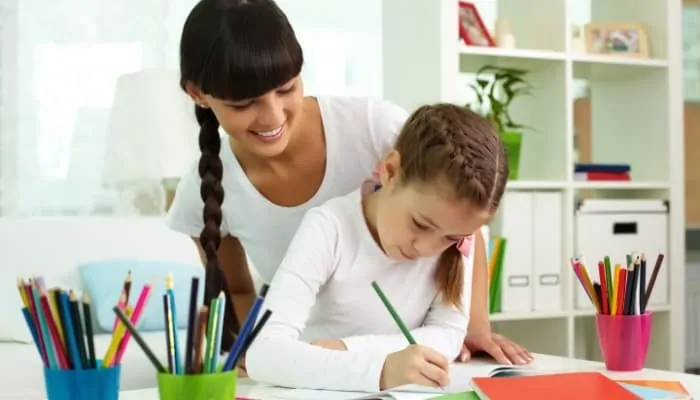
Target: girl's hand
x: 502, y: 349
x: 333, y: 344
x: 417, y: 365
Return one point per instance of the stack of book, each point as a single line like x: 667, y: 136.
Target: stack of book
x: 601, y: 172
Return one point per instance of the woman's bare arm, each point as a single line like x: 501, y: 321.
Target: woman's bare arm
x: 479, y: 313
x: 234, y: 265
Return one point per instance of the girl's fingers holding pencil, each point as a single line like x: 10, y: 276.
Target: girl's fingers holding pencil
x: 414, y: 365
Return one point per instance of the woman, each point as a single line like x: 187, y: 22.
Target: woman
x: 283, y: 153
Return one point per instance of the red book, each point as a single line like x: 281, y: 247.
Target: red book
x: 569, y: 386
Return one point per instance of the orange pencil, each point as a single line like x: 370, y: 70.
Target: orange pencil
x: 621, y: 289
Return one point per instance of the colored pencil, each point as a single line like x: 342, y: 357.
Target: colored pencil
x: 169, y: 290
x: 61, y: 361
x: 127, y: 287
x: 191, y: 325
x: 89, y: 333
x: 43, y: 328
x: 394, y: 314
x: 170, y: 345
x: 652, y: 282
x: 256, y: 331
x: 629, y: 294
x: 621, y: 285
x: 218, y: 332
x: 603, y: 288
x: 52, y: 297
x: 642, y: 283
x: 633, y: 302
x: 210, y: 339
x: 126, y: 323
x: 74, y: 309
x: 236, y: 351
x: 70, y: 331
x: 121, y: 303
x: 608, y: 281
x: 134, y: 318
x: 117, y: 335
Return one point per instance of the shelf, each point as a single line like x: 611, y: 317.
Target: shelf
x: 471, y: 58
x: 622, y: 185
x: 527, y: 316
x: 601, y: 67
x: 536, y: 185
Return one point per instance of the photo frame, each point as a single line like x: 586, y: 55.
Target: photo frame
x: 471, y: 27
x: 617, y: 39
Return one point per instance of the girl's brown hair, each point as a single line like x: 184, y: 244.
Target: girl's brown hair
x: 460, y: 149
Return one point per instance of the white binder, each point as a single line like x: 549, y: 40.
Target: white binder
x: 548, y: 259
x: 516, y: 221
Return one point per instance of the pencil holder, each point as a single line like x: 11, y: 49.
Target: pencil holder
x: 217, y: 386
x: 624, y: 340
x: 82, y: 384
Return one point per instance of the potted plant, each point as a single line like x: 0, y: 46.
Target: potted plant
x: 493, y: 99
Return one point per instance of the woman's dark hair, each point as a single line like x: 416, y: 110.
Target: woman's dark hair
x: 231, y: 50
x: 454, y: 146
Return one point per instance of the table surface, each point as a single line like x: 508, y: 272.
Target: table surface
x: 250, y: 389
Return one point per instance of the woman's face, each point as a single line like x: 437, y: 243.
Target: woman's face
x: 262, y: 125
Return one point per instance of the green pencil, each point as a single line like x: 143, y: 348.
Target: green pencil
x: 393, y: 313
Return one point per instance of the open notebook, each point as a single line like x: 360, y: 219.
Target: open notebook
x: 460, y: 383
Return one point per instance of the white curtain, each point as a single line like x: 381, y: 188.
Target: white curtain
x: 59, y: 61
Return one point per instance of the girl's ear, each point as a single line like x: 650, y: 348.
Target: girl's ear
x: 389, y: 168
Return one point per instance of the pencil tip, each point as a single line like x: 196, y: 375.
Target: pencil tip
x: 264, y: 289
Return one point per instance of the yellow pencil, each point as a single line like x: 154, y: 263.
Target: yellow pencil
x: 22, y: 292
x: 616, y: 279
x: 53, y: 306
x: 589, y: 287
x: 117, y: 336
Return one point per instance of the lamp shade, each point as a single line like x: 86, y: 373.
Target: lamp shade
x: 152, y: 131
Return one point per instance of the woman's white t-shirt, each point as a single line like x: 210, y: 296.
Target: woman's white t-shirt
x: 359, y: 132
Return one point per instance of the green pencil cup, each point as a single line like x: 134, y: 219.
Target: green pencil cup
x: 217, y: 386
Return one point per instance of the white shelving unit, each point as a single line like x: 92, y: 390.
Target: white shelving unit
x: 637, y: 118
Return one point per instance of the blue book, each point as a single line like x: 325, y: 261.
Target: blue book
x: 616, y: 168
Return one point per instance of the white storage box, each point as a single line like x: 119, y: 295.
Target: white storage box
x: 615, y: 228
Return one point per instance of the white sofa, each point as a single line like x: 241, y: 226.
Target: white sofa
x: 53, y: 247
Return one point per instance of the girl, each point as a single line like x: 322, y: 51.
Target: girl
x: 441, y: 182
x: 282, y: 154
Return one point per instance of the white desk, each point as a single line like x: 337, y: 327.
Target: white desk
x: 248, y: 388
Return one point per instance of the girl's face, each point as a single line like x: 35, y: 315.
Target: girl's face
x: 263, y: 125
x: 420, y: 220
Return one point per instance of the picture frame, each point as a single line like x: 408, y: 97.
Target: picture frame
x: 617, y: 39
x: 471, y: 27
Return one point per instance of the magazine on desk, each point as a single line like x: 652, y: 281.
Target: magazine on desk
x: 461, y: 376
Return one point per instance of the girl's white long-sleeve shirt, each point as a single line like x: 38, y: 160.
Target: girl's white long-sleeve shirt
x: 322, y: 290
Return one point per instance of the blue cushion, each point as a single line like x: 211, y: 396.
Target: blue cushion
x: 103, y: 281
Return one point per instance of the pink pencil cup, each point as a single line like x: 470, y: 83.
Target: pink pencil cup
x: 624, y: 340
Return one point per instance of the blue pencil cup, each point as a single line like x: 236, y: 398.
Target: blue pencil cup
x: 82, y: 384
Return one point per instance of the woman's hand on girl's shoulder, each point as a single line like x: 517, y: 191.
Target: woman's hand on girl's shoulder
x: 416, y: 364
